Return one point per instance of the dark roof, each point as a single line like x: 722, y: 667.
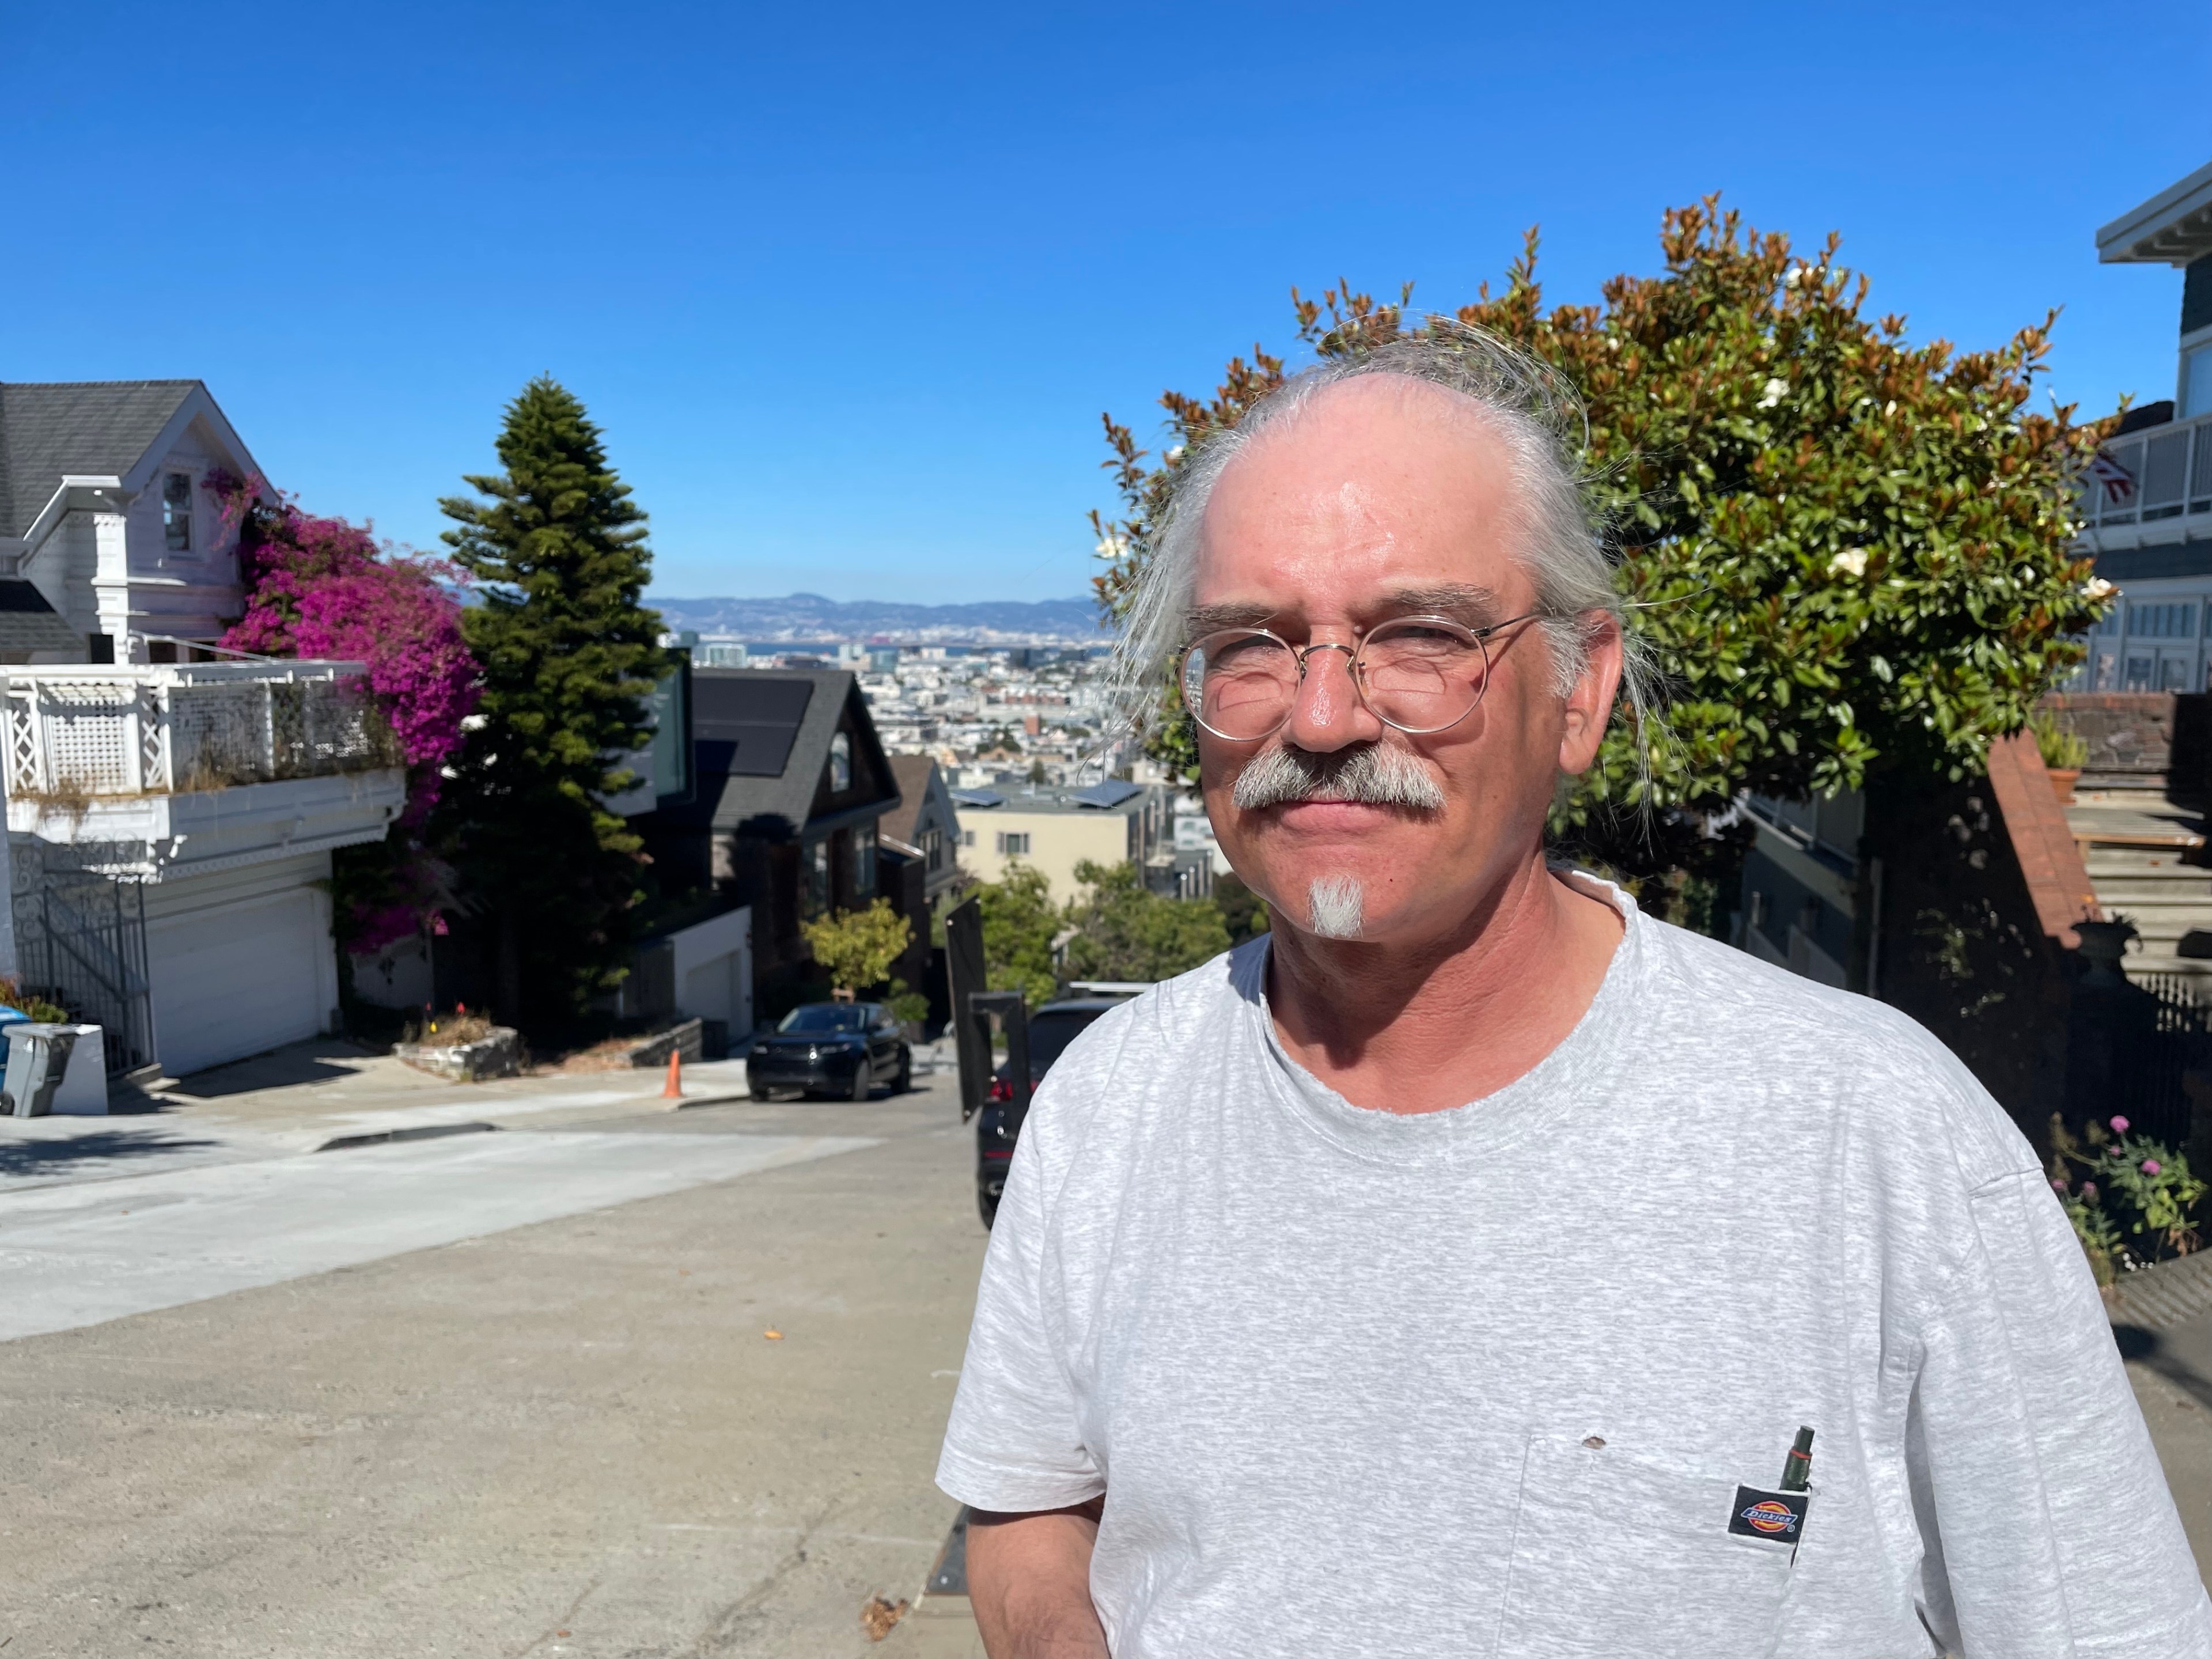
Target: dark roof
x: 48, y: 428
x: 746, y: 722
x: 2143, y: 414
x: 792, y: 713
x: 914, y: 773
x: 29, y: 623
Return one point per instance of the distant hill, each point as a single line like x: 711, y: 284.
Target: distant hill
x: 810, y: 618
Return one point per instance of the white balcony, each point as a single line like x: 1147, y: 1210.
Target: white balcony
x: 2156, y: 490
x: 166, y: 769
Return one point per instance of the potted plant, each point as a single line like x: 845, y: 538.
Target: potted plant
x: 2063, y: 750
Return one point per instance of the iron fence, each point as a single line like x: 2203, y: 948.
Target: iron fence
x: 2156, y: 1071
x: 81, y: 942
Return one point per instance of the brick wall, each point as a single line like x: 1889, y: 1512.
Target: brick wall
x: 2131, y: 734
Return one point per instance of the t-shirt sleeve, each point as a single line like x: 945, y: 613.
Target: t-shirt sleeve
x: 2052, y: 1530
x: 1014, y: 1442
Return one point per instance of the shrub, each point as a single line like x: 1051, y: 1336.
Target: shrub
x: 2135, y: 1202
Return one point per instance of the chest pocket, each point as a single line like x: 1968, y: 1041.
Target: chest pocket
x: 1616, y: 1556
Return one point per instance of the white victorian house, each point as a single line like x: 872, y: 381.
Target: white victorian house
x: 171, y: 810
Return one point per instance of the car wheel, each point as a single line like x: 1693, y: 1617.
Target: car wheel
x: 863, y: 1080
x: 904, y: 1081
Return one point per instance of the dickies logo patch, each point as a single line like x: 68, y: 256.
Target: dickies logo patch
x: 1778, y: 1515
x: 1769, y: 1517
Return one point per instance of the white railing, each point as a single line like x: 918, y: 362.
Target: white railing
x: 2159, y: 472
x: 76, y: 732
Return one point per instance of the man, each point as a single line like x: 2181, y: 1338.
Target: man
x: 1452, y: 1270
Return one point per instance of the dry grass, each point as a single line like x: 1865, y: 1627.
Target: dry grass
x: 447, y: 1031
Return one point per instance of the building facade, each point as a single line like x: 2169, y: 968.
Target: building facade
x: 2147, y: 501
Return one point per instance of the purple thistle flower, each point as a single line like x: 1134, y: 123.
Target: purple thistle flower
x: 2089, y: 1192
x: 2151, y: 1166
x: 2120, y: 1126
x: 2057, y: 1184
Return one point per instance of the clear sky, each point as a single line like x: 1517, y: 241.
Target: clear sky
x: 848, y: 286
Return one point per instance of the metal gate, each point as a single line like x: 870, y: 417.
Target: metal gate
x: 2179, y: 1043
x: 80, y: 941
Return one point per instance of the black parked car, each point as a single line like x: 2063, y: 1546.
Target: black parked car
x: 1052, y: 1027
x: 832, y: 1048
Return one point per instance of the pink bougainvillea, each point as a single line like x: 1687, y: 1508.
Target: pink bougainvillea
x: 323, y: 588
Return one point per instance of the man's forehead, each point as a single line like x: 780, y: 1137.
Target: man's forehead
x: 1380, y: 488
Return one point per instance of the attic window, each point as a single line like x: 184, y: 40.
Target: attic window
x: 177, y: 511
x: 841, y: 763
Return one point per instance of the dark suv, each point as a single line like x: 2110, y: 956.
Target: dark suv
x: 832, y: 1049
x: 997, y: 1125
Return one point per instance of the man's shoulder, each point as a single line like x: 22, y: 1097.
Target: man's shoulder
x: 1151, y: 1029
x: 1893, y: 1075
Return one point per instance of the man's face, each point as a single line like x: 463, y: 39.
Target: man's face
x: 1387, y: 497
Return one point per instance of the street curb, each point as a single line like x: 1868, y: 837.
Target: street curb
x: 687, y: 1102
x: 424, y: 1131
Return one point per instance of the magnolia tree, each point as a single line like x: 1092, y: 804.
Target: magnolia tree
x: 1847, y: 552
x: 324, y: 588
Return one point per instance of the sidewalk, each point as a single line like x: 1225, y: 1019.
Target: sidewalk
x: 324, y: 1095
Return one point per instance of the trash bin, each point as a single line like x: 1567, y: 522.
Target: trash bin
x: 37, y: 1056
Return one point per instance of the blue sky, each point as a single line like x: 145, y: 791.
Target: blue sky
x: 848, y: 286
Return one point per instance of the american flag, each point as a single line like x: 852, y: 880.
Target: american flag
x: 2119, y: 483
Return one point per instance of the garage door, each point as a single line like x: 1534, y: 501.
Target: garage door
x: 237, y: 979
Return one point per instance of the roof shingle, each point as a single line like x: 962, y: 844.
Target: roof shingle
x: 50, y: 428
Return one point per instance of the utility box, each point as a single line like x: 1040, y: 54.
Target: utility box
x: 38, y: 1058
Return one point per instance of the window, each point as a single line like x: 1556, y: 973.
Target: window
x: 2196, y: 383
x: 177, y: 511
x: 933, y: 849
x: 1013, y: 843
x: 863, y: 866
x: 967, y: 838
x: 841, y: 763
x: 2173, y: 674
x: 2162, y: 622
x: 2139, y: 673
x: 817, y: 877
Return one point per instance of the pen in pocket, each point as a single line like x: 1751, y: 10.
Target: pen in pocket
x: 1797, y: 1468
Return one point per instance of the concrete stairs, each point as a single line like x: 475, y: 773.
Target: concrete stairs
x: 2144, y: 854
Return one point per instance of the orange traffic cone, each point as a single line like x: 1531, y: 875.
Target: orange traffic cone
x: 674, y: 1088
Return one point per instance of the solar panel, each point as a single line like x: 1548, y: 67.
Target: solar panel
x: 756, y: 715
x: 1110, y: 793
x: 977, y: 798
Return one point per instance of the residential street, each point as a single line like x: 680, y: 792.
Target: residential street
x: 545, y: 1432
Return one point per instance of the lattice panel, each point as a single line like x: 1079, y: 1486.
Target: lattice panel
x: 219, y: 734
x: 22, y: 748
x: 87, y: 737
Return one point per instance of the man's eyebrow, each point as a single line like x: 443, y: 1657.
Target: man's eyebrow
x: 1212, y: 618
x: 1466, y: 602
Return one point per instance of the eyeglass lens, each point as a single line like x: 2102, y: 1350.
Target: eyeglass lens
x: 1416, y: 675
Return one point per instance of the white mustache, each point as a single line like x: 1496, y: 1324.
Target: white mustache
x: 1370, y: 774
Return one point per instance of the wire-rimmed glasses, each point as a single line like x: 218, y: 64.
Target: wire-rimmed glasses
x: 1418, y: 674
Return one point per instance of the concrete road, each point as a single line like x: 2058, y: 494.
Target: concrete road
x: 568, y: 1437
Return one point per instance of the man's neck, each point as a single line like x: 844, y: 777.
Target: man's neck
x: 1443, y: 1021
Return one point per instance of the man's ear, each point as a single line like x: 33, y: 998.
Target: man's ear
x: 1589, y: 705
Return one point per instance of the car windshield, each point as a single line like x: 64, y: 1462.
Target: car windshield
x: 1051, y: 1032
x: 819, y: 1016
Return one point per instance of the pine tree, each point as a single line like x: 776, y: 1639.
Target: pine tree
x: 558, y: 551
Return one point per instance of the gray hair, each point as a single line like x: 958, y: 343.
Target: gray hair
x: 1531, y: 408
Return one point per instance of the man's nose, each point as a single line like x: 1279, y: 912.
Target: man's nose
x: 1327, y: 714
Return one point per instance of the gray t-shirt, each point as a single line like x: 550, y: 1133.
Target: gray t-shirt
x: 1518, y: 1379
